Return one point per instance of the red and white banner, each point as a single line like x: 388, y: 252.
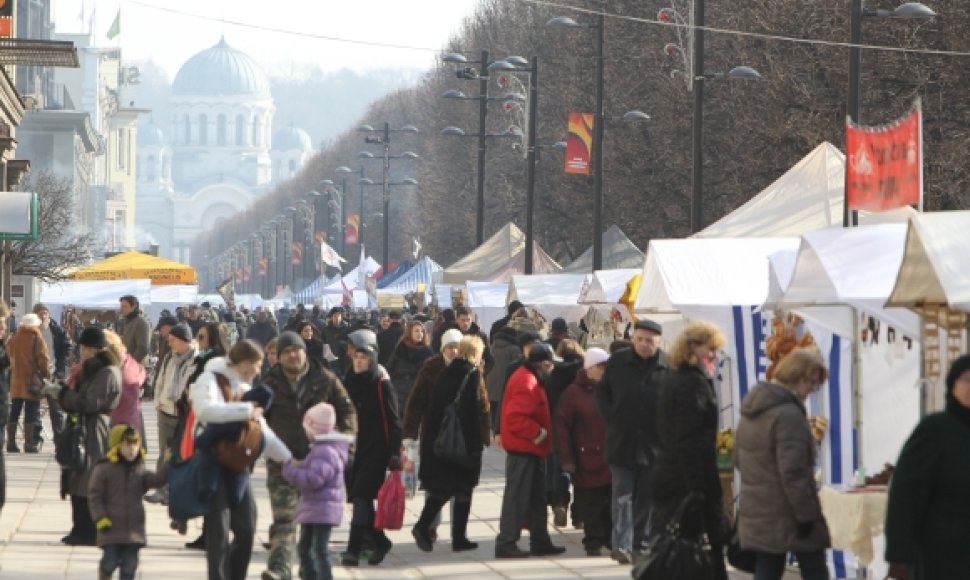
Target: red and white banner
x: 884, y: 165
x: 579, y: 143
x: 352, y: 228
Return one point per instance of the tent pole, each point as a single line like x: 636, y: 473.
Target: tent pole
x: 857, y: 388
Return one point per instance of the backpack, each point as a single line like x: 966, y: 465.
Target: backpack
x: 240, y: 453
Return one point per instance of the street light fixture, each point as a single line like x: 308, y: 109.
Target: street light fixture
x: 905, y: 11
x: 364, y: 181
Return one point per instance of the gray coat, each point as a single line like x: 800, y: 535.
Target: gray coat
x: 95, y: 394
x: 504, y: 352
x: 775, y: 454
x: 136, y: 335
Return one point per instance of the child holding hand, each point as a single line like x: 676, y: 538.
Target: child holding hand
x: 320, y: 480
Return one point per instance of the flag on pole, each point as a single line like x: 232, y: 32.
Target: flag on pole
x: 115, y: 29
x: 347, y: 298
x: 884, y: 165
x: 227, y: 291
x: 330, y: 257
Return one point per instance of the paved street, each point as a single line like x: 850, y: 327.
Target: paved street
x: 34, y: 519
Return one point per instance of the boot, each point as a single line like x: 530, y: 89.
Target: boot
x: 422, y: 529
x: 382, y: 545
x: 459, y: 527
x: 12, y: 438
x: 30, y: 439
x: 352, y: 556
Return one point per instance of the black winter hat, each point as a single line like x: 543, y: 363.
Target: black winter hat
x: 525, y: 338
x: 288, y: 339
x: 92, y: 337
x: 182, y: 332
x: 167, y: 321
x: 647, y: 324
x: 541, y: 352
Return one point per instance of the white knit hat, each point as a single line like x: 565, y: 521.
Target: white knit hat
x: 595, y: 356
x: 319, y: 419
x: 451, y: 336
x: 30, y: 319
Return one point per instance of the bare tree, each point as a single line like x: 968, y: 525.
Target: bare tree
x: 61, y: 244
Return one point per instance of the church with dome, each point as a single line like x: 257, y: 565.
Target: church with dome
x: 217, y: 153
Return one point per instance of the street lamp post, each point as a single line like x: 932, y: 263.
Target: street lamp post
x: 385, y: 185
x: 909, y: 11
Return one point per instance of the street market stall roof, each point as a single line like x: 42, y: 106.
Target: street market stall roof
x: 95, y: 293
x: 618, y: 252
x: 137, y: 265
x: 935, y: 262
x: 426, y: 272
x: 498, y: 259
x: 607, y: 286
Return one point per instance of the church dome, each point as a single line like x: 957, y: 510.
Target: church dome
x: 221, y: 70
x: 151, y: 135
x: 290, y: 138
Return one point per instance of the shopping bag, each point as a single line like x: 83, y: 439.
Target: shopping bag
x: 390, y: 503
x: 187, y: 440
x: 409, y: 470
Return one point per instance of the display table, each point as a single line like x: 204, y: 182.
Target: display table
x: 855, y: 517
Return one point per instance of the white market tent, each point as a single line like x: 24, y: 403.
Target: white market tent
x: 553, y: 295
x: 935, y: 262
x: 809, y: 196
x: 101, y: 294
x: 169, y: 297
x: 426, y: 272
x: 487, y: 300
x: 607, y: 286
x: 618, y: 252
x: 498, y: 259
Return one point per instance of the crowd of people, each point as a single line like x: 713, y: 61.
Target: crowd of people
x: 621, y: 441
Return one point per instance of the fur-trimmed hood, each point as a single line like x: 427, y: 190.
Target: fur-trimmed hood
x: 103, y: 358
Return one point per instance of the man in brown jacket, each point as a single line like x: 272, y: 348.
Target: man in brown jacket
x: 28, y: 359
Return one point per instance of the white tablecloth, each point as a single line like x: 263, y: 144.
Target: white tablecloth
x: 854, y: 519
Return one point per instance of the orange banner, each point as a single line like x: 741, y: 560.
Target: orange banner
x: 885, y: 164
x: 353, y: 226
x: 263, y: 267
x: 579, y: 143
x: 296, y: 255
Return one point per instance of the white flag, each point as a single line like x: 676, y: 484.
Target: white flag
x: 362, y: 269
x: 415, y: 248
x: 330, y: 257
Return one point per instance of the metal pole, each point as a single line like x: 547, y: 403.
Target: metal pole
x: 851, y: 218
x: 343, y: 217
x: 530, y: 195
x: 360, y: 218
x: 482, y: 111
x: 697, y: 126
x: 598, y: 151
x: 387, y: 197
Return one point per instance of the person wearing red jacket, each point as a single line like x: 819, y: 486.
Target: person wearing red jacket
x: 581, y: 447
x: 526, y: 426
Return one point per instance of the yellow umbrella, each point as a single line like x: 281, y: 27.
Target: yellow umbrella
x: 135, y: 265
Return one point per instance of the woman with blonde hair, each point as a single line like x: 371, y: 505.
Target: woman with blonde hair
x: 445, y: 479
x: 775, y: 453
x: 687, y: 420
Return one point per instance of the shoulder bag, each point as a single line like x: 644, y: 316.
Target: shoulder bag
x: 69, y: 449
x: 449, y: 445
x: 240, y: 453
x: 36, y: 383
x: 675, y: 555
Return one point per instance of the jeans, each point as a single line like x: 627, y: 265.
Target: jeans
x: 31, y: 411
x: 631, y: 506
x: 772, y: 566
x: 229, y: 560
x: 314, y: 552
x: 56, y: 416
x: 123, y: 556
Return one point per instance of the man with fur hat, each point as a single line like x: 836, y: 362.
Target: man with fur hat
x: 298, y: 384
x: 115, y: 489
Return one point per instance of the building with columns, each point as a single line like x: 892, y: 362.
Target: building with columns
x: 216, y: 155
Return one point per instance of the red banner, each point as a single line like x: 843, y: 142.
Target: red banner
x: 247, y: 273
x: 579, y: 143
x: 352, y: 228
x: 296, y: 255
x: 885, y: 164
x: 263, y: 267
x: 238, y: 274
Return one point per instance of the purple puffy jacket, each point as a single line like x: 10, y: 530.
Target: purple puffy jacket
x: 320, y: 479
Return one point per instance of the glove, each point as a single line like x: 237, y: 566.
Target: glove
x: 52, y: 389
x: 103, y: 525
x: 394, y: 463
x: 804, y: 529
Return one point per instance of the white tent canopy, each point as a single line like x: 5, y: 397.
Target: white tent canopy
x: 607, y: 286
x: 498, y: 259
x: 851, y: 266
x: 935, y: 262
x: 95, y: 293
x: 809, y: 196
x: 707, y: 272
x: 554, y: 295
x: 618, y: 252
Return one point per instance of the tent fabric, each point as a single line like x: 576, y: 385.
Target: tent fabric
x: 95, y: 293
x: 618, y: 252
x: 498, y: 259
x: 607, y: 286
x: 426, y: 272
x: 809, y: 196
x: 707, y: 272
x: 134, y: 265
x: 486, y: 294
x: 935, y: 262
x: 553, y: 295
x: 351, y: 280
x: 313, y: 289
x: 398, y: 271
x: 851, y: 266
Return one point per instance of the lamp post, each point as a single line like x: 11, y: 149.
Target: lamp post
x: 385, y: 141
x: 384, y: 185
x: 906, y: 11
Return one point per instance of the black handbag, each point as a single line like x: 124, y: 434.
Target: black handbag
x: 673, y: 555
x: 70, y: 449
x: 449, y: 445
x: 36, y: 383
x: 740, y: 559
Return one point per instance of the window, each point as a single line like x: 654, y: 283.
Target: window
x: 221, y: 131
x: 256, y: 132
x: 203, y: 129
x: 292, y: 167
x: 187, y: 128
x: 240, y: 131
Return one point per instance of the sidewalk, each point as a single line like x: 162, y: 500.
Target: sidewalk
x: 35, y: 518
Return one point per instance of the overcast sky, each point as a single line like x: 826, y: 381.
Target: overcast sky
x: 171, y: 31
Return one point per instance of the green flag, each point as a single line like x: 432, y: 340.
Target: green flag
x: 115, y: 29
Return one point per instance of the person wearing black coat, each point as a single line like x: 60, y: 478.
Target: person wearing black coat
x: 687, y: 419
x: 504, y: 321
x: 444, y: 479
x: 563, y: 375
x: 378, y: 445
x: 388, y: 339
x: 407, y: 358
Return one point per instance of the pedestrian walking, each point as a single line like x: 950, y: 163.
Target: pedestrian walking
x: 59, y: 348
x: 29, y: 362
x: 134, y: 328
x: 563, y: 375
x: 128, y: 411
x: 407, y: 357
x: 4, y: 400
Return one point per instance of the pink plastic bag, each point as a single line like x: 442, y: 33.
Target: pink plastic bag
x: 390, y: 503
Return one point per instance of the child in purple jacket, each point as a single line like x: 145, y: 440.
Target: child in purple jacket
x: 320, y: 480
